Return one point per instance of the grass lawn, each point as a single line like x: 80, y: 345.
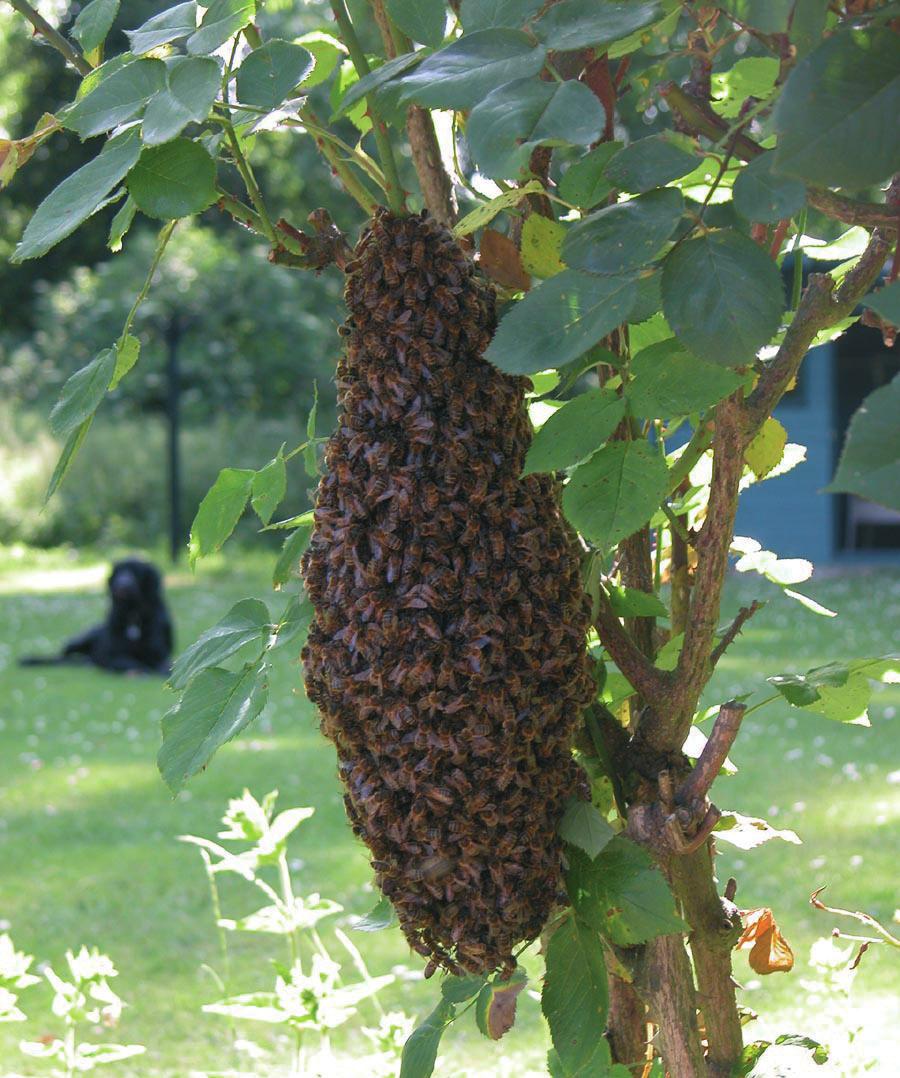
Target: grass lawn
x: 88, y: 850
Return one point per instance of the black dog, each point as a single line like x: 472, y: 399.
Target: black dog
x: 137, y: 634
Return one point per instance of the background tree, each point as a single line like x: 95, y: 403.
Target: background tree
x: 644, y: 258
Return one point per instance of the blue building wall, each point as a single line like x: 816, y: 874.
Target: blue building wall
x: 789, y: 514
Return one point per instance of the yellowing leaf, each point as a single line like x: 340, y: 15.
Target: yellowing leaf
x: 541, y: 244
x: 766, y: 450
x: 769, y: 950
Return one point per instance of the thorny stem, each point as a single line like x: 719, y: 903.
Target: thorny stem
x: 243, y: 166
x: 53, y: 37
x: 393, y: 190
x: 864, y: 918
x: 165, y: 234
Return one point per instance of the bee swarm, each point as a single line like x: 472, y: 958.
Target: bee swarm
x: 447, y: 655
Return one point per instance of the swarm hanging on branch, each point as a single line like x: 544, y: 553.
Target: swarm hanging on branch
x: 447, y: 656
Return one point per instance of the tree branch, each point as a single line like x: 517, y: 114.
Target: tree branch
x: 819, y: 308
x: 716, y: 749
x: 743, y: 616
x: 54, y: 37
x: 698, y: 118
x: 648, y: 681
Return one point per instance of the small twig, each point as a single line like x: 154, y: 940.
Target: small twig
x: 864, y: 918
x: 53, y: 37
x: 778, y: 237
x: 716, y: 749
x: 743, y: 616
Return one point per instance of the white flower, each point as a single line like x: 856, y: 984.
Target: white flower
x: 14, y: 965
x: 90, y: 965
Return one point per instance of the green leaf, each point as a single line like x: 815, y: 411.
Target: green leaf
x: 221, y: 20
x: 70, y: 449
x: 753, y: 76
x: 289, y: 557
x: 168, y: 26
x: 421, y: 1048
x: 667, y: 380
x: 94, y: 22
x: 540, y: 245
x: 310, y: 462
x: 625, y: 236
x: 293, y: 627
x: 584, y: 183
x: 836, y: 117
x: 376, y: 79
x: 766, y: 449
x: 578, y: 24
x: 763, y: 195
x: 575, y: 997
x: 127, y: 352
x: 495, y: 1009
x: 268, y: 489
x: 174, y: 180
x: 484, y: 14
x: 886, y: 302
x: 269, y: 74
x: 598, y: 1065
x: 82, y: 393
x: 574, y: 431
x: 193, y: 83
x: 465, y: 72
x: 652, y: 161
x: 459, y: 989
x: 584, y: 827
x: 220, y: 511
x: 839, y: 691
x: 649, y: 297
x: 422, y: 20
x: 513, y: 119
x: 382, y: 916
x: 560, y: 319
x: 723, y: 297
x: 327, y: 53
x: 616, y: 492
x: 870, y: 461
x: 807, y: 25
x: 121, y: 223
x: 766, y: 16
x: 115, y: 99
x: 216, y: 707
x: 622, y: 894
x: 79, y: 195
x: 753, y: 1052
x: 634, y: 603
x: 246, y: 622
x: 487, y: 211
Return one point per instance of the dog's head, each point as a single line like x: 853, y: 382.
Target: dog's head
x: 134, y: 583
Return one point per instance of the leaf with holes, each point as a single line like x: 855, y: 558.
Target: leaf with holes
x: 174, y: 180
x: 723, y: 297
x: 625, y: 236
x: 616, y: 492
x: 560, y: 320
x: 574, y: 431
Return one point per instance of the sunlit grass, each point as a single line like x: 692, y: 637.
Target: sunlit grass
x: 88, y: 832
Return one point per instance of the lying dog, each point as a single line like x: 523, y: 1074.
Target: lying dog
x: 137, y: 634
